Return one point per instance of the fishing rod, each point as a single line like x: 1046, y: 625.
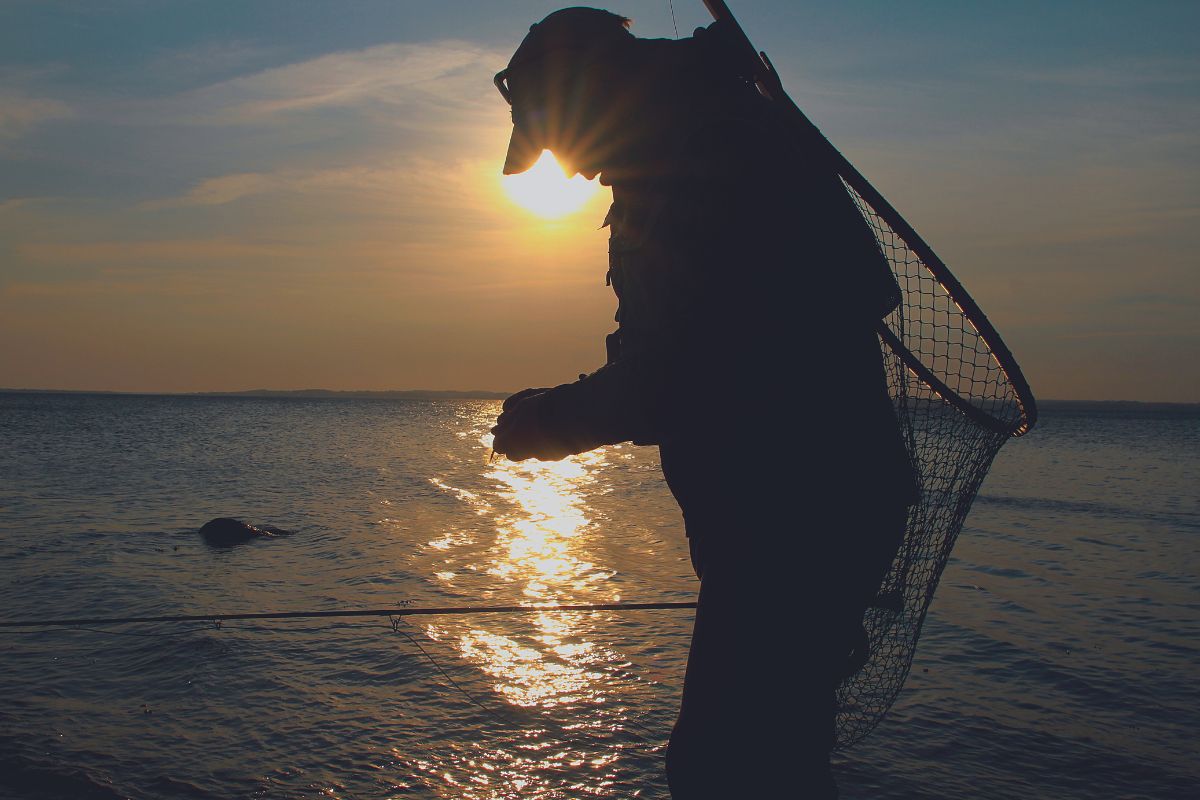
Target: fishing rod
x: 401, y: 611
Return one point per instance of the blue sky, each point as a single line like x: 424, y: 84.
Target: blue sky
x: 229, y: 195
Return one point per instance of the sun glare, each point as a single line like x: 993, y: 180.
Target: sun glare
x: 546, y: 191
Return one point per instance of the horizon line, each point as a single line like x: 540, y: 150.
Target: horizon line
x: 485, y: 394
x: 482, y: 393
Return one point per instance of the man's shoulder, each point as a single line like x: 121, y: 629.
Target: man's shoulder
x: 746, y: 144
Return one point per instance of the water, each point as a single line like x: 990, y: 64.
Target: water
x: 1059, y: 658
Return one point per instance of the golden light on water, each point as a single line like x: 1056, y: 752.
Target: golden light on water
x: 534, y: 541
x: 545, y: 190
x: 536, y: 549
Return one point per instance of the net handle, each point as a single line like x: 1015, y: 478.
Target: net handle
x: 768, y: 82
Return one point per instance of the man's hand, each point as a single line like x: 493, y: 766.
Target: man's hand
x: 519, y: 433
x: 513, y: 399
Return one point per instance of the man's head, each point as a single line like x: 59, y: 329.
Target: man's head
x: 559, y: 84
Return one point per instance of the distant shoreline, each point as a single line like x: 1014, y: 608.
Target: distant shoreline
x: 457, y: 394
x: 398, y: 394
x: 1115, y: 405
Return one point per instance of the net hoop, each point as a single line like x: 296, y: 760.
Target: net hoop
x: 1022, y: 394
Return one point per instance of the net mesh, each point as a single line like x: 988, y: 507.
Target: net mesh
x: 956, y: 406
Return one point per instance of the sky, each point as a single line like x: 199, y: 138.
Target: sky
x: 212, y: 196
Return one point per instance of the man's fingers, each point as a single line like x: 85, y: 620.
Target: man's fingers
x: 512, y: 452
x: 517, y: 434
x: 517, y: 448
x: 512, y: 400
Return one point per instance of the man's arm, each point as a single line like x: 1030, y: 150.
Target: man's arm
x: 627, y: 400
x: 752, y: 243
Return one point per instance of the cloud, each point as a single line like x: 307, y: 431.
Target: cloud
x: 218, y: 191
x: 207, y: 62
x: 167, y: 252
x: 345, y: 120
x: 419, y: 197
x: 13, y: 204
x: 19, y: 113
x: 447, y: 74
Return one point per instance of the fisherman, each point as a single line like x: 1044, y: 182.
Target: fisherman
x: 748, y: 291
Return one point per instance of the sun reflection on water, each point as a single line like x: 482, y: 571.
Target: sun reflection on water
x: 537, y: 550
x: 536, y: 544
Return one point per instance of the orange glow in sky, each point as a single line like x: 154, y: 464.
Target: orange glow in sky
x: 220, y: 202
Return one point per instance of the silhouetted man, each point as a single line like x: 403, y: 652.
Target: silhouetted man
x: 748, y: 288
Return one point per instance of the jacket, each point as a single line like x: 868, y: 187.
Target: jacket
x: 748, y: 290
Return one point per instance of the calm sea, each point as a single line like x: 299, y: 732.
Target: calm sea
x: 1060, y: 658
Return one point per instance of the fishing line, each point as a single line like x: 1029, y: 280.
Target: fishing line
x: 397, y: 622
x: 404, y: 611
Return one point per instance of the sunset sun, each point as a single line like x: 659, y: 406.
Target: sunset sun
x: 546, y: 191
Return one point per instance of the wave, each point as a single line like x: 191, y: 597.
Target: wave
x: 1088, y: 508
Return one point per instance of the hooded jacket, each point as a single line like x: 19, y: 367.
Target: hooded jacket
x: 748, y: 288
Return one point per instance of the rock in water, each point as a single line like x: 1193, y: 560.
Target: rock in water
x: 226, y: 532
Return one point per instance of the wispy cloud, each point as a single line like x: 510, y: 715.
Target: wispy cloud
x: 446, y: 74
x: 20, y: 113
x: 218, y: 191
x: 13, y: 204
x: 206, y: 62
x: 409, y: 198
x: 159, y: 253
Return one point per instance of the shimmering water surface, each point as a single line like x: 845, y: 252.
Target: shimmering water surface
x: 1059, y: 659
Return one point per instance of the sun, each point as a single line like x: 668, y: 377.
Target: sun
x: 546, y: 191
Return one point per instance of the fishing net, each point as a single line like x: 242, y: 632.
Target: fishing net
x: 958, y: 394
x: 958, y: 397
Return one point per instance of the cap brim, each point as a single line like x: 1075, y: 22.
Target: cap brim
x: 523, y: 153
